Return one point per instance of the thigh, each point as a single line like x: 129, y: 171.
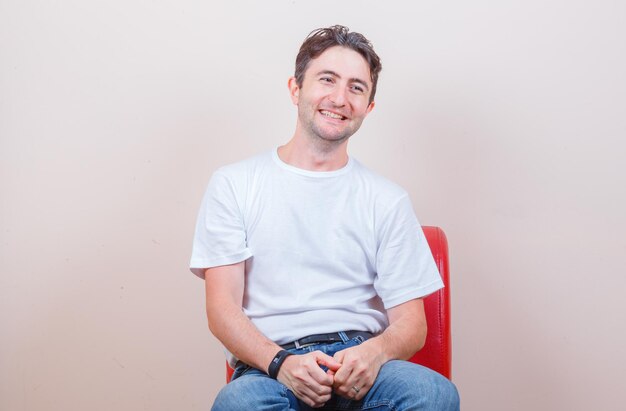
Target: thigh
x: 402, y: 385
x: 254, y: 390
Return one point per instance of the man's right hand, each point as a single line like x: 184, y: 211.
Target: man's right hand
x: 304, y: 377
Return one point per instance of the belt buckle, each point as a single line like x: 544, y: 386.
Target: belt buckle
x: 298, y: 345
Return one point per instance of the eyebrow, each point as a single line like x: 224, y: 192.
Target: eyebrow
x: 352, y: 80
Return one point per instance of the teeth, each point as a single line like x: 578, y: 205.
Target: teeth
x: 331, y: 115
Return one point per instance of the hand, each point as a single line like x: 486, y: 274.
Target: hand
x: 359, y: 369
x: 304, y: 377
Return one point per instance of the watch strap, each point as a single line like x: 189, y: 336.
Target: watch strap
x: 277, y: 362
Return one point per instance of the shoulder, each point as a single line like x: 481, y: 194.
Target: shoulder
x: 381, y: 188
x: 245, y: 166
x: 244, y: 169
x: 235, y: 179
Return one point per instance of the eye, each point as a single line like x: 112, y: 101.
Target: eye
x: 357, y: 88
x: 326, y: 79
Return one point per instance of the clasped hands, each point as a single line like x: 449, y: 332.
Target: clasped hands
x: 350, y: 374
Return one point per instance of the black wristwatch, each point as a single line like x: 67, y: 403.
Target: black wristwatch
x: 278, y: 360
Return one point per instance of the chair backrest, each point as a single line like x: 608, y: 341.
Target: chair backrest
x: 437, y: 351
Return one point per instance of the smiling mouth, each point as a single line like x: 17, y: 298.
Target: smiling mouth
x: 332, y: 115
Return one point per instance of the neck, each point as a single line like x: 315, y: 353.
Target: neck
x: 314, y: 155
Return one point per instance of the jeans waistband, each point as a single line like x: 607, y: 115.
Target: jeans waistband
x: 326, y: 338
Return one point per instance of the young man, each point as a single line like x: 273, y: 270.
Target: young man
x: 315, y: 267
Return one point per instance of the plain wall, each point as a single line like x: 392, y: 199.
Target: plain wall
x: 505, y: 121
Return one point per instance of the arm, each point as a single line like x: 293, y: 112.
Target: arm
x: 229, y: 324
x: 405, y: 335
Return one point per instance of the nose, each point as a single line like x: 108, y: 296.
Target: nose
x: 338, y: 96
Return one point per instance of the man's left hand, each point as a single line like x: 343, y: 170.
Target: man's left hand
x: 359, y: 368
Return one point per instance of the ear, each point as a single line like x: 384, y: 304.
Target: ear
x: 294, y: 90
x: 370, y: 107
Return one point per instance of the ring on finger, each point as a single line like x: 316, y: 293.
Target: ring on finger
x: 356, y: 390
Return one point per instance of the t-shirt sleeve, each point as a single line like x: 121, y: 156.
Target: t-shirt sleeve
x: 220, y: 235
x: 404, y: 263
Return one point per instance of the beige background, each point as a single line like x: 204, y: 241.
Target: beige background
x: 504, y: 120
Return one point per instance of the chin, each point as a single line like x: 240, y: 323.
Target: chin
x: 332, y: 138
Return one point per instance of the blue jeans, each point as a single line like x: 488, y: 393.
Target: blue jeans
x: 400, y: 386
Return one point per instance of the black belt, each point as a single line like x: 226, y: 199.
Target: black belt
x: 324, y: 338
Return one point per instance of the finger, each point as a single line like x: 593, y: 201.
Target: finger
x: 313, y: 398
x: 312, y: 376
x: 357, y: 391
x: 363, y: 391
x: 339, y: 355
x: 342, y: 374
x: 344, y: 371
x: 362, y: 385
x: 345, y: 392
x: 313, y: 395
x: 313, y: 402
x: 356, y: 386
x: 344, y: 380
x: 319, y: 389
x: 327, y: 361
x: 300, y: 378
x: 320, y: 377
x: 333, y: 366
x: 353, y: 391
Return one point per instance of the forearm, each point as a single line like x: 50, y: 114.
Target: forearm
x: 237, y: 333
x: 405, y: 335
x: 227, y: 321
x: 300, y: 373
x: 400, y: 343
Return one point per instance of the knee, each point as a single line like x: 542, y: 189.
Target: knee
x: 420, y: 388
x: 440, y: 393
x: 230, y: 398
x: 446, y: 396
x: 245, y: 394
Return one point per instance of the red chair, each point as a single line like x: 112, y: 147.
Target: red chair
x: 437, y: 351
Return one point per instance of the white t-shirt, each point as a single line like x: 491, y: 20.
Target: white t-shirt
x: 324, y: 251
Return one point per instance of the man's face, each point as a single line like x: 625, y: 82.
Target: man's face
x: 334, y: 97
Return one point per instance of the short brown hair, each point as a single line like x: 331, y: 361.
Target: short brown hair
x: 322, y: 39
